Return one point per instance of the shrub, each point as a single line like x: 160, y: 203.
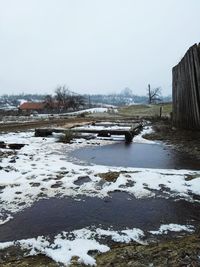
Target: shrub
x: 81, y: 115
x: 67, y: 137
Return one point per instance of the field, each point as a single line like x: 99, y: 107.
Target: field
x: 146, y: 110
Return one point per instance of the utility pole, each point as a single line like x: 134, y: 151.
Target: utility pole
x: 149, y: 91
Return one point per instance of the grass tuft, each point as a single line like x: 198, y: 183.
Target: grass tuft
x: 67, y: 137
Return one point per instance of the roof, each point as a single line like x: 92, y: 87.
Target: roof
x: 32, y: 106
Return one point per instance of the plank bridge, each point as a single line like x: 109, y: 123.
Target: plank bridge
x: 128, y: 133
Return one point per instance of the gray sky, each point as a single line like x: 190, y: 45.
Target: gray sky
x: 93, y: 46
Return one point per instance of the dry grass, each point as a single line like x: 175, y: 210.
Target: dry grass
x: 67, y: 137
x: 146, y: 110
x: 109, y: 176
x: 176, y: 252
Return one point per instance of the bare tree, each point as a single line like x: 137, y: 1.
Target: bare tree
x: 154, y: 94
x: 75, y: 101
x: 49, y: 102
x: 67, y: 99
x: 80, y: 101
x: 62, y: 96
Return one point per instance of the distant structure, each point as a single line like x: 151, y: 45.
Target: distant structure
x: 186, y: 90
x: 32, y: 106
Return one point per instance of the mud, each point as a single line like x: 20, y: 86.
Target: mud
x: 180, y: 252
x: 183, y: 141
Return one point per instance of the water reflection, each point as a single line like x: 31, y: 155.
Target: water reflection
x: 51, y: 216
x: 137, y: 155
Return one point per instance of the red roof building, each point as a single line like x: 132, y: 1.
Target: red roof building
x: 32, y: 106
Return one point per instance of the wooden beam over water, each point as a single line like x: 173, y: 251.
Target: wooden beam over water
x: 128, y: 133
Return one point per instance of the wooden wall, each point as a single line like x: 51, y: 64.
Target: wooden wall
x: 186, y: 90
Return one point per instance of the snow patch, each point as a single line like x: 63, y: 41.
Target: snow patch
x: 8, y: 177
x: 140, y: 139
x: 7, y: 219
x: 165, y: 228
x: 90, y: 110
x: 77, y: 243
x: 124, y: 236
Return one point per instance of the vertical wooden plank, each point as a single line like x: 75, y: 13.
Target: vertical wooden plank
x: 186, y: 90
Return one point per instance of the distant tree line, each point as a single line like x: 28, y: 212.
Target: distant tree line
x: 126, y: 97
x: 64, y: 99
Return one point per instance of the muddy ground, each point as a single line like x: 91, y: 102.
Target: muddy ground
x: 178, y: 252
x: 56, y: 122
x: 185, y: 141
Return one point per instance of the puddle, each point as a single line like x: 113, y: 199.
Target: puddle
x: 136, y: 155
x: 51, y: 216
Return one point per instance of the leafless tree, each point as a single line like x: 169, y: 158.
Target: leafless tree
x: 154, y: 94
x: 67, y: 99
x: 62, y: 96
x: 76, y: 101
x: 49, y: 102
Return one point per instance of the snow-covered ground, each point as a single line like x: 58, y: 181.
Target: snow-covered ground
x: 28, y: 174
x: 89, y: 110
x: 24, y: 119
x: 99, y: 127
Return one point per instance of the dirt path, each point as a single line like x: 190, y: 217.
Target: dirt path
x: 19, y: 126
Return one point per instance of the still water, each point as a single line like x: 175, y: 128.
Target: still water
x: 136, y: 155
x: 51, y: 216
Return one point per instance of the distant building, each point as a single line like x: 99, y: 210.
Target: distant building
x: 30, y: 107
x: 41, y: 107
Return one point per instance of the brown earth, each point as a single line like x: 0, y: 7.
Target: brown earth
x: 67, y: 122
x: 177, y: 253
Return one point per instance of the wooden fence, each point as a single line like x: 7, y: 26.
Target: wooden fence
x: 186, y: 90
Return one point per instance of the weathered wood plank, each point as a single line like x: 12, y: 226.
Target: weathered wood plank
x: 186, y: 90
x: 128, y: 133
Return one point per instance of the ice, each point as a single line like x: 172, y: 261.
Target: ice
x: 139, y: 138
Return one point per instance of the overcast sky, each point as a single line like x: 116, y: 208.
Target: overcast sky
x: 94, y: 46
